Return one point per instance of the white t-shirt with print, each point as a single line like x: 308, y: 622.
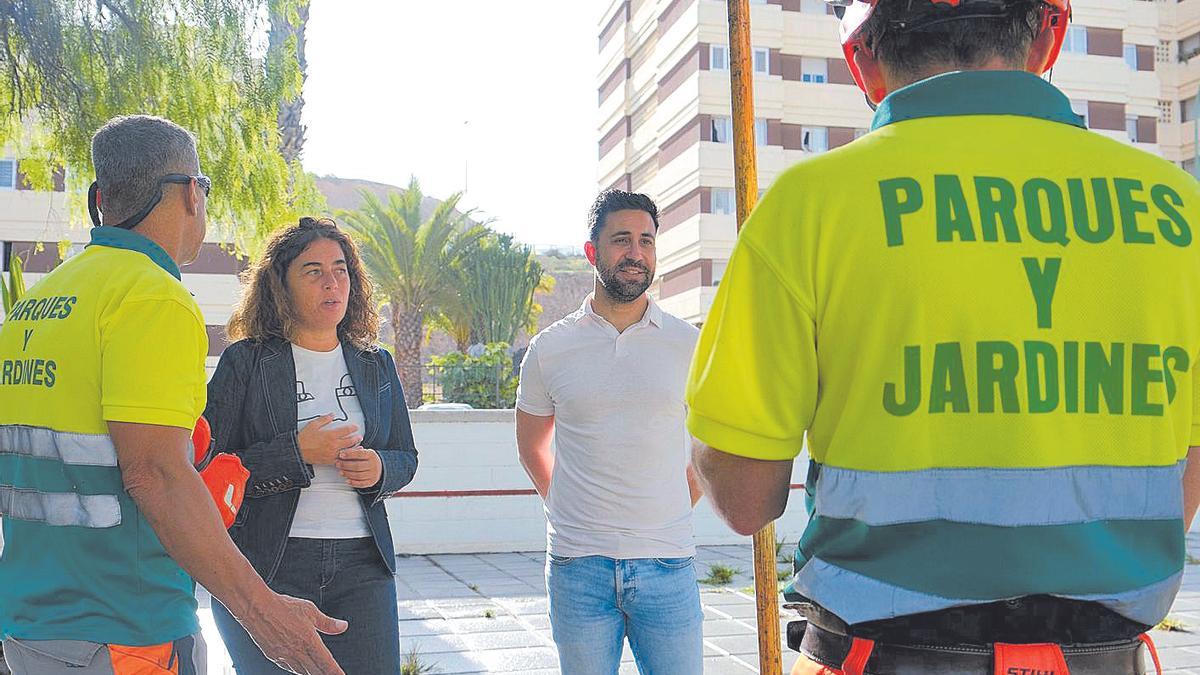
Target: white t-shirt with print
x: 329, y: 508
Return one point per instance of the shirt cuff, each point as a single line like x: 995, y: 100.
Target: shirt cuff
x: 735, y: 441
x: 534, y: 410
x: 139, y: 415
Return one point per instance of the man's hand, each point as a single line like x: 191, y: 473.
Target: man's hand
x: 695, y: 488
x: 156, y: 467
x: 286, y: 630
x: 319, y: 445
x: 362, y: 468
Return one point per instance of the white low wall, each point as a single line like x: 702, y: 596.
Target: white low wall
x: 465, y: 453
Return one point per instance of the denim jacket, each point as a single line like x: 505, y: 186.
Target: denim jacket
x: 252, y: 411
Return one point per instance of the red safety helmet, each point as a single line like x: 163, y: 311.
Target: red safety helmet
x: 854, y: 14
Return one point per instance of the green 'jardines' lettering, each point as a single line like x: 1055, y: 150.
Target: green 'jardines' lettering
x: 1037, y: 376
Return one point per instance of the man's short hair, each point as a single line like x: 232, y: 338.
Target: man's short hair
x: 961, y: 44
x: 617, y: 200
x: 131, y: 153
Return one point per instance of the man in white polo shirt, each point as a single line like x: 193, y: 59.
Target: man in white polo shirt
x: 606, y: 384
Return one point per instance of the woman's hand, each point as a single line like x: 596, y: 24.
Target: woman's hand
x: 361, y: 467
x: 319, y: 445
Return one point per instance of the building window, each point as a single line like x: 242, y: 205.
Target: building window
x: 1189, y: 165
x: 813, y: 7
x: 1130, y: 53
x: 1189, y: 47
x: 7, y: 252
x: 722, y: 201
x: 814, y: 70
x: 718, y: 57
x: 8, y: 174
x: 722, y: 130
x: 760, y: 131
x: 814, y: 139
x: 859, y: 133
x: 1076, y: 41
x: 762, y: 61
x: 1187, y: 110
x: 1080, y: 108
x: 1131, y: 128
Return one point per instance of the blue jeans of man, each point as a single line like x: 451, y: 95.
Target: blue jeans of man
x: 345, y: 579
x: 596, y: 602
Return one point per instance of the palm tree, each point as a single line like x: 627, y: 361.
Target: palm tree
x: 285, y: 27
x: 412, y: 260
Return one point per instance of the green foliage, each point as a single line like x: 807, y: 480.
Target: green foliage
x: 486, y: 381
x: 720, y: 575
x: 495, y: 285
x: 782, y: 553
x: 414, y: 664
x: 70, y: 65
x: 13, y: 288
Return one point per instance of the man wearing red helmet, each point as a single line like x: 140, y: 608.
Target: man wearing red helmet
x: 982, y: 320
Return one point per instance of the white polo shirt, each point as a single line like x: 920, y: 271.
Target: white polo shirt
x: 619, y: 487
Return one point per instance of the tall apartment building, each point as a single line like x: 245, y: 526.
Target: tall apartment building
x: 1178, y: 66
x: 665, y: 127
x: 28, y: 217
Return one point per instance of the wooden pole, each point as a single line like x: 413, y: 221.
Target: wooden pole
x: 745, y: 167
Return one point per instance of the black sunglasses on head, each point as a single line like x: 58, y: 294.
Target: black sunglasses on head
x: 203, y: 181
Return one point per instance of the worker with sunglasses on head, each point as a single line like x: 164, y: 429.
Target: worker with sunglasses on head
x: 102, y: 378
x: 983, y: 322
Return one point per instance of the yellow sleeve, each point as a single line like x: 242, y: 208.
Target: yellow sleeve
x: 152, y: 363
x: 753, y: 383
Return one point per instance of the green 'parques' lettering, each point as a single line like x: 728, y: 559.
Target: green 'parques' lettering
x: 1093, y: 210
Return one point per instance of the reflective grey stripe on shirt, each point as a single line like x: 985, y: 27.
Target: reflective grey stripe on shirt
x: 60, y: 508
x: 66, y: 447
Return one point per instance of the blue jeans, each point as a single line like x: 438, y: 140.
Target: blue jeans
x: 596, y: 601
x: 344, y: 578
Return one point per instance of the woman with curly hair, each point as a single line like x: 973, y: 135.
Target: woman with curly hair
x: 315, y: 411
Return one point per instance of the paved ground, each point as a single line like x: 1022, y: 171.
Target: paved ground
x: 486, y: 613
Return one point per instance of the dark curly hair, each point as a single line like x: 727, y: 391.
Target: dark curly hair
x: 266, y: 311
x: 617, y: 200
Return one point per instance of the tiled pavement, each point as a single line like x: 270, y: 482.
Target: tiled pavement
x: 486, y: 613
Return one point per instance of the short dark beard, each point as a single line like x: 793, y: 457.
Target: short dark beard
x: 616, y: 288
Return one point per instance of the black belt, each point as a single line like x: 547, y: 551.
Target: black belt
x: 832, y: 649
